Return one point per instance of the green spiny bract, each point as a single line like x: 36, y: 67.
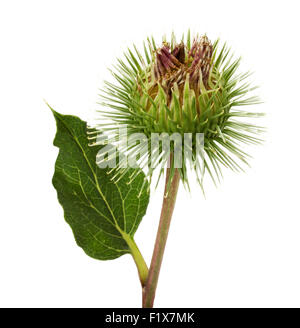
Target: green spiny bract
x: 185, y: 87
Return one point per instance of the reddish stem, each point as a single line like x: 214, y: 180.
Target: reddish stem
x: 161, y: 238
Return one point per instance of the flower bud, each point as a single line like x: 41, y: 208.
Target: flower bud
x: 183, y: 88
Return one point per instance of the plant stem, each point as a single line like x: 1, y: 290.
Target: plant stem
x: 138, y: 259
x: 161, y: 238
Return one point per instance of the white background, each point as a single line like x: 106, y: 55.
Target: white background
x: 239, y: 247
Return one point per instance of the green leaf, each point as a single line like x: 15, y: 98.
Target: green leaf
x: 103, y: 214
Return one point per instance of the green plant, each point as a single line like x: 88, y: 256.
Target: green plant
x: 179, y: 91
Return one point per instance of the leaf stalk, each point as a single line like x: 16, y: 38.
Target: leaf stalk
x: 138, y: 258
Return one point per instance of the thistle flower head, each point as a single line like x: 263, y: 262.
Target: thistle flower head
x: 175, y: 67
x: 181, y: 88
